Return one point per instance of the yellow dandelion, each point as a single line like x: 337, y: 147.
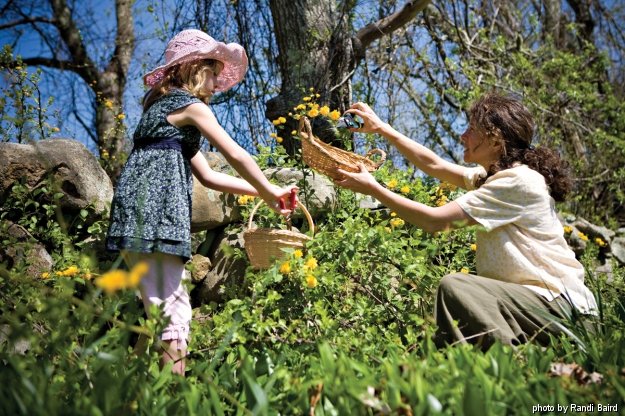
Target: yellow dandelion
x: 243, y: 199
x: 324, y: 111
x: 582, y: 236
x: 301, y: 107
x: 397, y: 222
x: 282, y: 120
x: 404, y: 189
x: 306, y: 99
x: 274, y: 135
x: 121, y: 116
x: 393, y: 214
x: 45, y: 275
x: 311, y: 89
x: 473, y: 247
x: 136, y: 274
x: 70, y: 271
x: 313, y: 112
x: 388, y: 229
x: 285, y: 268
x: 279, y: 139
x: 55, y: 129
x: 464, y: 270
x: 108, y: 103
x: 311, y: 281
x: 568, y: 229
x: 112, y: 281
x: 600, y: 242
x: 334, y: 115
x: 104, y: 154
x: 392, y: 183
x: 317, y: 95
x: 311, y: 263
x: 293, y: 132
x: 276, y: 122
x: 298, y: 254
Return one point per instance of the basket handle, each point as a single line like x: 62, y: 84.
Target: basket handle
x: 382, y: 154
x: 301, y: 206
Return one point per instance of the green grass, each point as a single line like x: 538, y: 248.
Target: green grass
x: 357, y: 343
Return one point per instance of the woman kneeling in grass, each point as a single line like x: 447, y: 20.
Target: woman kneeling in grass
x: 528, y: 277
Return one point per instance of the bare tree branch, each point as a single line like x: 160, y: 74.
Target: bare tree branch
x: 73, y: 39
x: 27, y: 21
x: 376, y: 30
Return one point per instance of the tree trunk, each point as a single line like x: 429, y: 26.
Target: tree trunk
x: 314, y: 52
x: 110, y: 86
x: 318, y: 49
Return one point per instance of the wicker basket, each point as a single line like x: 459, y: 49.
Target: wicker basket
x: 326, y: 159
x: 264, y: 245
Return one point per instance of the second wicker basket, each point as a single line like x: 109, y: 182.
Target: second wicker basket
x: 326, y: 159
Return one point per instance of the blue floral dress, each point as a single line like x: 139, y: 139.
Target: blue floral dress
x: 151, y: 209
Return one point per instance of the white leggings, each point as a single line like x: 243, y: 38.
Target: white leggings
x: 163, y: 285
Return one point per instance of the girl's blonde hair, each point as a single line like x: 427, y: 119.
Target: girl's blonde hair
x: 190, y: 76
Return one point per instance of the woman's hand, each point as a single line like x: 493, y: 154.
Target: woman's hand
x: 362, y: 182
x: 371, y: 121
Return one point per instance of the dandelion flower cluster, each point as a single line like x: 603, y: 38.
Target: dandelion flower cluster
x: 244, y: 199
x: 397, y: 222
x: 69, y: 272
x: 115, y: 280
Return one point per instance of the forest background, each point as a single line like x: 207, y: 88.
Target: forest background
x: 74, y: 69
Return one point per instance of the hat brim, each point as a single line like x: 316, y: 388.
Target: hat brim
x: 232, y: 56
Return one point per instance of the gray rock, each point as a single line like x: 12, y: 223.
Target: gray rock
x: 212, y: 209
x: 593, y: 231
x: 200, y: 267
x: 618, y: 249
x: 24, y: 251
x: 72, y: 167
x: 227, y: 270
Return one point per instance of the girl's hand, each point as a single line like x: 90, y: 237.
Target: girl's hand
x: 371, y: 121
x: 362, y: 182
x: 282, y: 200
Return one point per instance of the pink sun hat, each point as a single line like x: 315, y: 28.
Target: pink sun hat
x: 191, y: 45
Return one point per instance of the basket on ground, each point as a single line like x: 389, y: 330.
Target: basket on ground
x: 326, y: 158
x: 264, y: 245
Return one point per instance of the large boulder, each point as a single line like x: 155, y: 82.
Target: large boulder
x: 72, y: 167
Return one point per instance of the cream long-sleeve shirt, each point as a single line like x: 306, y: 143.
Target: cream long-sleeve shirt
x: 521, y: 239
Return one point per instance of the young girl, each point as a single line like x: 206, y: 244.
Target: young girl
x: 528, y: 277
x: 151, y: 209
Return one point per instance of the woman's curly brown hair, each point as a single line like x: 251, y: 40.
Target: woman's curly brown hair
x: 506, y: 121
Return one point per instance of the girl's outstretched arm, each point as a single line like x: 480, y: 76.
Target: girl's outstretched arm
x: 200, y: 116
x: 217, y: 180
